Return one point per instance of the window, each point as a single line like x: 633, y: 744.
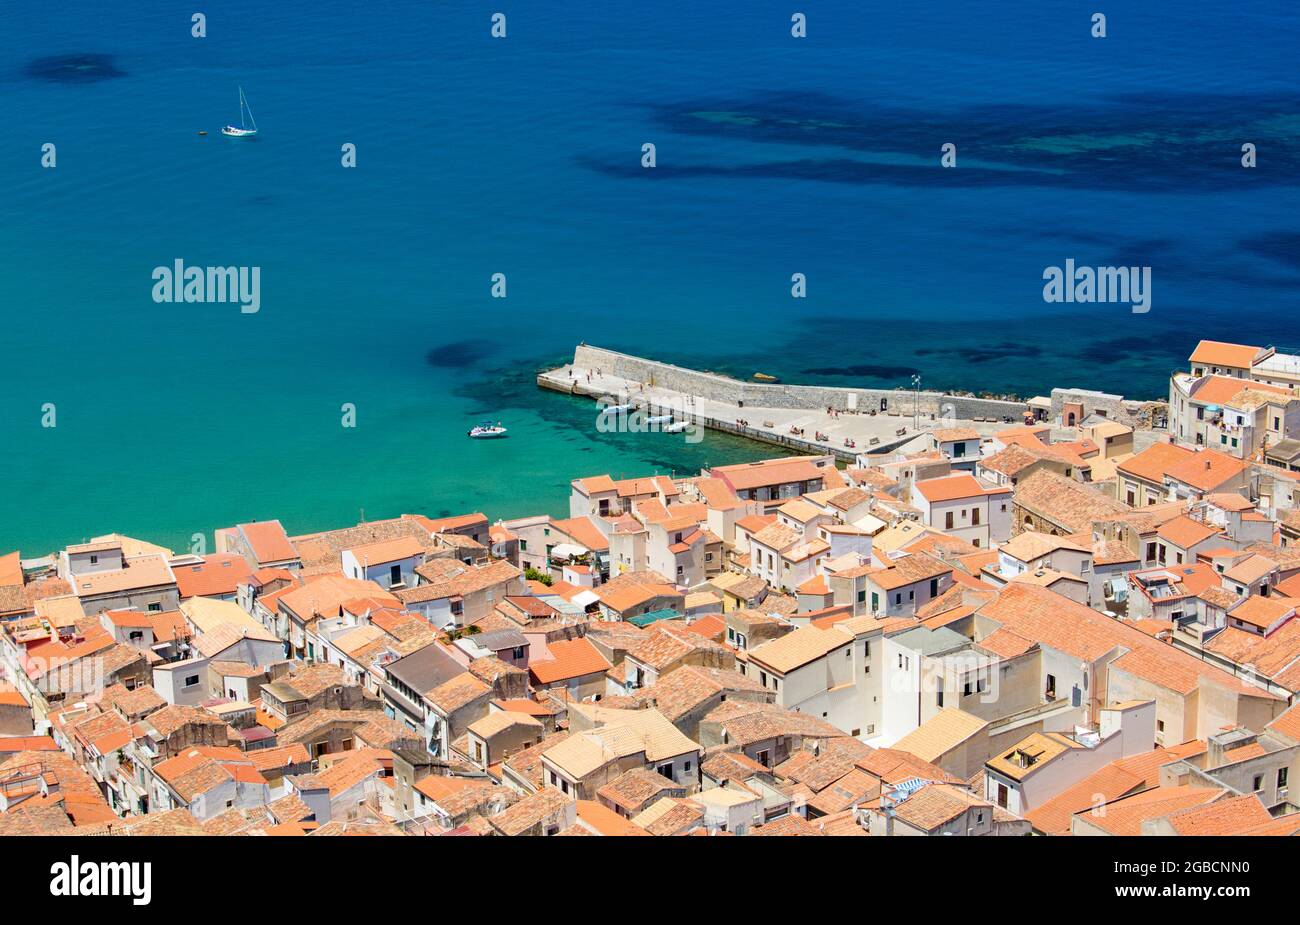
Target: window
x: 1258, y: 783
x: 94, y: 560
x: 191, y: 680
x: 665, y: 770
x: 975, y: 517
x: 394, y: 574
x: 523, y: 545
x: 1281, y: 778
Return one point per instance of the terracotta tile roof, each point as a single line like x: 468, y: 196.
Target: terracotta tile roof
x: 1218, y: 353
x: 955, y: 487
x: 1065, y: 501
x: 796, y: 649
x: 1124, y: 816
x: 573, y: 658
x: 601, y: 820
x: 1288, y: 723
x: 618, y: 734
x: 904, y: 570
x: 217, y: 575
x: 268, y: 541
x: 1228, y: 816
x: 140, y: 572
x: 670, y: 817
x: 1186, y: 532
x: 636, y: 789
x: 669, y: 642
x: 456, y: 693
x: 681, y: 691
x: 1047, y: 618
x: 817, y: 771
x: 768, y: 472
x: 1264, y: 611
x: 941, y: 733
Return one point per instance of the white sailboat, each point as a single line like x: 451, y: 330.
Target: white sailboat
x: 242, y: 130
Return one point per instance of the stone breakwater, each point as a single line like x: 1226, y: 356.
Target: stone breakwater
x: 726, y: 390
x: 793, y: 417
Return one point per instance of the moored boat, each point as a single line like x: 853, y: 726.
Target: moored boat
x: 242, y: 130
x: 487, y: 430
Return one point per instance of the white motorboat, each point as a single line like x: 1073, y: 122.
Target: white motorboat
x: 677, y: 428
x: 242, y: 130
x: 487, y: 430
x: 660, y: 419
x: 616, y: 409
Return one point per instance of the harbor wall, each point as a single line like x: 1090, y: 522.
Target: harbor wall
x: 714, y: 387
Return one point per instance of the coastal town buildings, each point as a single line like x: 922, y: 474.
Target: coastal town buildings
x: 1083, y: 623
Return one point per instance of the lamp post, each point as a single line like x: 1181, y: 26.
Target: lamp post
x: 916, y: 402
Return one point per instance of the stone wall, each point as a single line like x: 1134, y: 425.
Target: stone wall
x: 1114, y: 407
x: 714, y: 387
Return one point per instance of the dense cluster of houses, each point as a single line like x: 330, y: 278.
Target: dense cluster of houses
x: 1065, y: 627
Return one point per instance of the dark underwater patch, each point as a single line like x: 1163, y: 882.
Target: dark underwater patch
x: 1140, y: 142
x: 1279, y: 246
x: 459, y: 354
x: 73, y: 69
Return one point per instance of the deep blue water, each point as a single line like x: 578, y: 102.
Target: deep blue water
x: 521, y: 156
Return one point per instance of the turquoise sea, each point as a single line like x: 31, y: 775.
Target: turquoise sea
x: 521, y: 156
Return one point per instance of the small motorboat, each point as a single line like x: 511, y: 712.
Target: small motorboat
x: 660, y: 419
x: 764, y: 377
x: 242, y: 130
x: 677, y: 428
x: 487, y: 430
x: 616, y: 409
x: 202, y: 133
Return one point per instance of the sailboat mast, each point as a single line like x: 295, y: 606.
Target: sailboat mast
x: 243, y: 104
